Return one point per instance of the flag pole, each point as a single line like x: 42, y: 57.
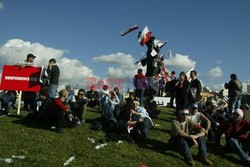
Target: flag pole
x: 19, y: 102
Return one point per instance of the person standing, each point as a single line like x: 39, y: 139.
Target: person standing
x: 162, y: 83
x: 234, y: 92
x: 28, y: 97
x: 172, y: 89
x: 195, y: 88
x: 140, y: 84
x: 53, y: 75
x: 181, y: 89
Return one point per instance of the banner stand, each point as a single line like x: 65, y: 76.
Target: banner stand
x: 19, y: 102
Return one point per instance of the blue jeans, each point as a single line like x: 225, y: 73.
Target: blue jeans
x: 53, y: 90
x: 139, y: 94
x: 183, y: 145
x: 234, y: 103
x: 237, y: 147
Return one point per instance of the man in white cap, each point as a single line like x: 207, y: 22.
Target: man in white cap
x: 236, y: 130
x: 184, y: 134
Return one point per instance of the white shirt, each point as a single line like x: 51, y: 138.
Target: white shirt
x: 196, y: 118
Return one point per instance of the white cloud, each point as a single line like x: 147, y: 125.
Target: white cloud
x: 126, y: 62
x: 217, y: 87
x: 125, y: 71
x: 180, y: 62
x: 72, y: 71
x: 1, y: 6
x: 118, y: 58
x: 214, y: 73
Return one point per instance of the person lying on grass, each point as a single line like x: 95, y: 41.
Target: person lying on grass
x: 184, y: 134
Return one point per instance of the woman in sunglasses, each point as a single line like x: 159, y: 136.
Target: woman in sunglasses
x: 236, y: 130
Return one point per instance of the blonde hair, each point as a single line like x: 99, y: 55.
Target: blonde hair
x: 63, y: 93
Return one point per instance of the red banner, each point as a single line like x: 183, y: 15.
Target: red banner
x: 21, y: 79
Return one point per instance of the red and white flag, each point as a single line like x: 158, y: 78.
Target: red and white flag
x: 144, y: 36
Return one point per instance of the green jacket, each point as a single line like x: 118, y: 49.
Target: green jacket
x: 189, y: 128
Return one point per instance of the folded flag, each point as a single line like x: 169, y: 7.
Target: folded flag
x: 144, y: 36
x: 167, y: 55
x: 158, y: 43
x: 124, y: 32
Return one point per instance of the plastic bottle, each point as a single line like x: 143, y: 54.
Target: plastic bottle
x: 19, y: 156
x: 7, y: 160
x: 68, y: 160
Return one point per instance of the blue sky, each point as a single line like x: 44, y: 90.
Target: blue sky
x: 214, y: 35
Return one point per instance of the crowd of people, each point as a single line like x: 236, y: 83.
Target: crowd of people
x: 131, y: 117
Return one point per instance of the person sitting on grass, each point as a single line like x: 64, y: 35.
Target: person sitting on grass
x: 108, y: 102
x: 7, y: 100
x: 79, y: 107
x: 118, y: 107
x: 71, y: 97
x: 215, y: 118
x: 93, y: 97
x: 43, y: 104
x: 184, y: 134
x: 57, y: 110
x: 198, y: 117
x: 137, y: 125
x: 151, y: 106
x: 130, y: 98
x: 235, y: 130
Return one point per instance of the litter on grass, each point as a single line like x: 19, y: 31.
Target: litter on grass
x: 91, y: 140
x: 7, y: 160
x: 100, y: 146
x: 119, y: 142
x: 69, y: 160
x: 18, y: 156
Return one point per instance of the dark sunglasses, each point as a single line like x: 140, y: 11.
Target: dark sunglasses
x: 81, y: 94
x: 184, y: 114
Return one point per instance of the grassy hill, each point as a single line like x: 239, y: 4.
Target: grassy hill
x: 42, y: 147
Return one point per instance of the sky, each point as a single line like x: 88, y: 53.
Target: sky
x: 85, y: 37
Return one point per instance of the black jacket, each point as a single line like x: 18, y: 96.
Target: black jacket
x: 54, y: 74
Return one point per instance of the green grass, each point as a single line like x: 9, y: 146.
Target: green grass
x: 22, y: 136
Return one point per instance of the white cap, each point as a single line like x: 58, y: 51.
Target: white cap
x: 240, y: 112
x: 184, y: 111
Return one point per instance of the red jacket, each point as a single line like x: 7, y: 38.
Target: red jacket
x: 140, y: 81
x: 57, y: 105
x: 232, y: 130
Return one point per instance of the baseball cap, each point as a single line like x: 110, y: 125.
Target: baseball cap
x: 194, y: 106
x: 31, y: 55
x: 184, y: 111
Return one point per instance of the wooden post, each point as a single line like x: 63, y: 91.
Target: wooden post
x: 19, y: 102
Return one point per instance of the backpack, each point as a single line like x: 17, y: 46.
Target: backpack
x: 239, y: 85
